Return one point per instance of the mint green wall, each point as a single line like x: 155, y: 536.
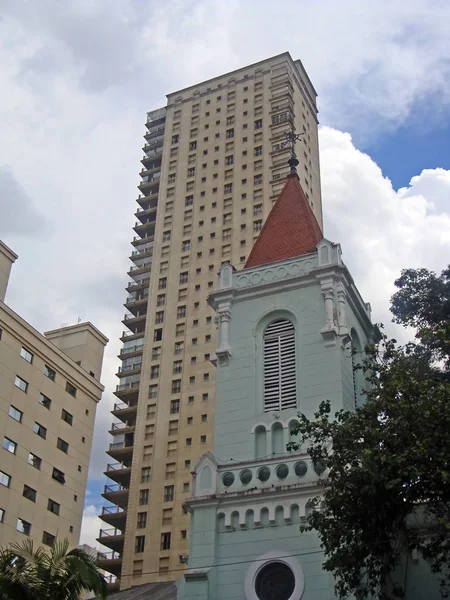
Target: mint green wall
x: 239, y: 388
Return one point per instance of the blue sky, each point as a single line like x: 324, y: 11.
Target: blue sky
x: 77, y: 79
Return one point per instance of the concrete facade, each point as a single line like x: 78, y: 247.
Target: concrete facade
x: 214, y: 162
x: 250, y: 495
x: 49, y: 390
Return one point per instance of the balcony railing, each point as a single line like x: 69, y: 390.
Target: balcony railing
x: 123, y: 405
x: 109, y: 532
x: 115, y: 467
x: 112, y: 510
x: 117, y: 426
x: 137, y: 267
x: 130, y: 333
x: 133, y: 367
x: 108, y: 489
x: 143, y: 281
x: 120, y: 445
x: 108, y: 555
x: 130, y: 349
x: 130, y: 317
x: 127, y: 386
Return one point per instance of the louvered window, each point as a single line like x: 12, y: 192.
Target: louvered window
x: 279, y: 366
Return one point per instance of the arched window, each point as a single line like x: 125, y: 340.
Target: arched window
x: 279, y: 366
x: 358, y: 374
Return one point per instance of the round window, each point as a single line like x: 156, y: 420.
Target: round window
x: 319, y: 467
x: 275, y: 581
x: 246, y: 476
x: 263, y: 473
x: 300, y: 468
x: 282, y: 471
x: 228, y: 479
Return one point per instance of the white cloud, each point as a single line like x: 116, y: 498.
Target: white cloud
x: 382, y: 231
x: 90, y: 527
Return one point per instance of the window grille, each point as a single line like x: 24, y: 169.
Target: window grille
x: 279, y: 366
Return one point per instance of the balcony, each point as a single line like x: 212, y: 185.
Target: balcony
x: 112, y: 584
x: 141, y: 213
x: 110, y: 562
x: 114, y: 515
x: 111, y: 538
x: 152, y: 155
x: 149, y: 182
x: 154, y: 132
x: 147, y: 226
x: 135, y: 323
x: 138, y: 284
x: 131, y: 351
x: 146, y: 267
x: 119, y: 473
x: 145, y: 200
x: 132, y: 369
x: 122, y: 427
x: 125, y: 411
x: 131, y: 335
x: 128, y: 390
x: 137, y: 304
x: 117, y: 494
x: 122, y: 451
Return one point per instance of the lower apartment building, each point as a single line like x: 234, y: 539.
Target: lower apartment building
x: 215, y: 159
x: 49, y: 390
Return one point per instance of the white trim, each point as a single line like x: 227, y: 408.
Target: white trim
x: 274, y: 556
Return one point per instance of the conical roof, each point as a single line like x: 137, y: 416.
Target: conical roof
x: 291, y: 229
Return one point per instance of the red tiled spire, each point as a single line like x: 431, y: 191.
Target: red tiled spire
x: 291, y: 229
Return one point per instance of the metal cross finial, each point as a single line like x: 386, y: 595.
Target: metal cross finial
x: 291, y: 138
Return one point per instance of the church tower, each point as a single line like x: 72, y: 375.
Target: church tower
x: 286, y: 325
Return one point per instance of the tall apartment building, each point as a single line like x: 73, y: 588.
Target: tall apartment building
x: 49, y: 390
x: 214, y: 161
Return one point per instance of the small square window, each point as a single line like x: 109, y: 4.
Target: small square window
x: 204, y: 418
x: 71, y: 389
x: 188, y: 441
x: 49, y: 372
x: 45, y: 401
x: 62, y: 445
x: 21, y: 383
x: 40, y: 430
x: 29, y: 493
x: 58, y: 475
x: 203, y: 439
x: 23, y: 526
x: 190, y: 420
x: 9, y: 445
x: 34, y: 461
x: 26, y: 354
x: 53, y: 506
x: 191, y: 400
x: 66, y: 416
x: 15, y: 413
x: 48, y: 539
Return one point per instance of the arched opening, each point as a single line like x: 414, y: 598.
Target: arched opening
x: 279, y: 515
x: 279, y: 366
x: 250, y: 519
x: 260, y: 442
x: 277, y: 438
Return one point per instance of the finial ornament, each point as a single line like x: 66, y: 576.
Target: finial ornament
x: 291, y: 138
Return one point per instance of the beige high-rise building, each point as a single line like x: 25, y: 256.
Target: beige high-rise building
x: 49, y: 390
x: 214, y: 161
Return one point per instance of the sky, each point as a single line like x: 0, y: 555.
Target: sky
x: 76, y: 80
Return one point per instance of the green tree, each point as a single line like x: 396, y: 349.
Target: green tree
x: 61, y: 574
x: 387, y: 484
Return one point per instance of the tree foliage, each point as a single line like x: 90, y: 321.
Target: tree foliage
x: 387, y: 484
x: 35, y: 574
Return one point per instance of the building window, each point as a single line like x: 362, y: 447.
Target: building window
x: 156, y: 352
x: 26, y: 354
x: 165, y: 540
x: 139, y: 544
x: 258, y: 151
x: 258, y: 124
x: 204, y: 418
x: 186, y: 245
x: 191, y: 172
x: 49, y: 372
x: 178, y: 348
x: 62, y: 445
x: 203, y: 439
x: 228, y: 188
x: 58, y: 475
x: 34, y: 461
x: 48, y: 539
x: 157, y: 335
x: 161, y: 300
x: 66, y: 416
x: 177, y: 367
x: 40, y: 430
x: 258, y: 179
x: 181, y: 312
x: 143, y: 497
x: 15, y: 413
x: 53, y: 506
x: 184, y: 277
x: 174, y: 407
x: 141, y: 520
x: 279, y: 366
x: 2, y: 512
x: 188, y: 441
x: 176, y: 386
x: 145, y: 474
x: 29, y: 493
x: 21, y: 383
x: 23, y: 526
x: 230, y: 133
x: 162, y: 285
x: 4, y: 479
x: 159, y: 317
x: 154, y: 372
x: 45, y: 401
x: 257, y: 225
x: 71, y: 389
x: 169, y: 493
x: 153, y: 391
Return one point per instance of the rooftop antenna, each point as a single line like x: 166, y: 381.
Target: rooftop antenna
x: 291, y: 138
